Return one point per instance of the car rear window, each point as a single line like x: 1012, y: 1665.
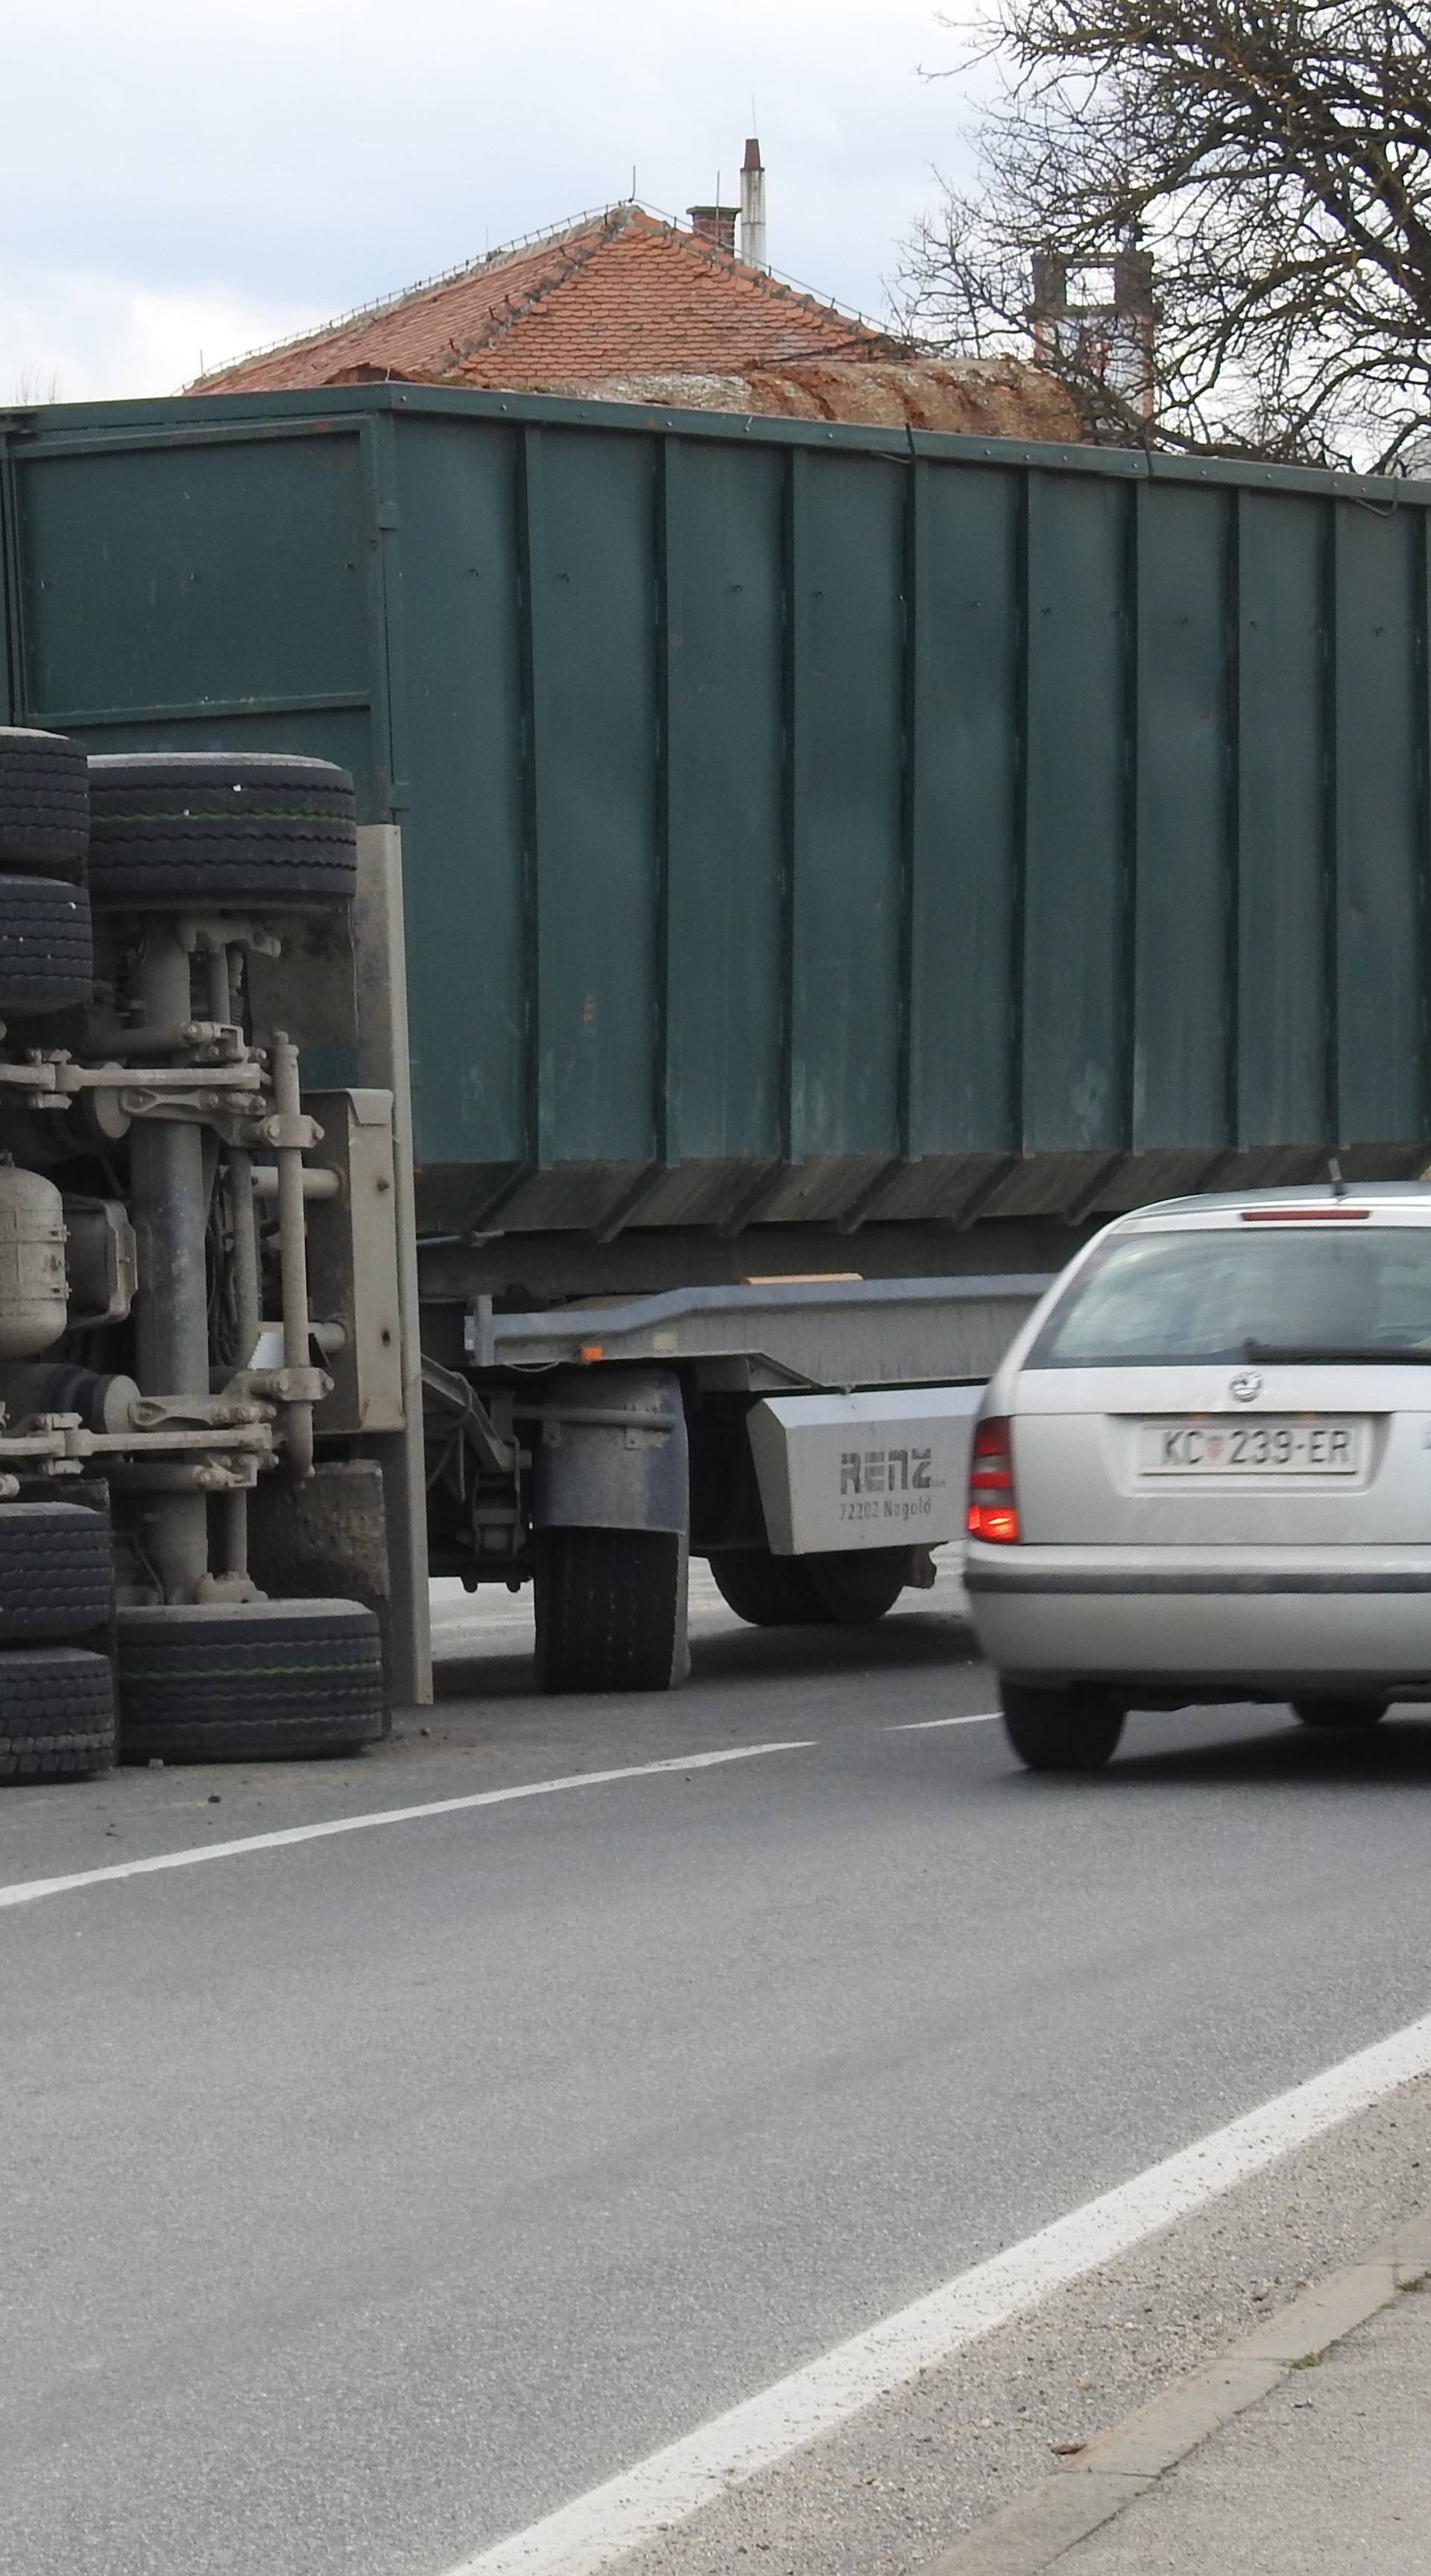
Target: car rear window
x: 1292, y: 1291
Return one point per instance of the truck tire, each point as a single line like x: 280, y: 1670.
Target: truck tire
x: 46, y: 945
x: 224, y: 827
x: 56, y: 1714
x: 1059, y: 1730
x: 44, y: 803
x: 857, y: 1585
x: 768, y: 1591
x: 260, y: 1681
x: 609, y: 1609
x: 842, y: 1588
x: 56, y: 1571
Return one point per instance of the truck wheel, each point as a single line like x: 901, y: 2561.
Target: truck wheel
x: 1060, y: 1730
x: 231, y: 827
x: 609, y: 1609
x: 44, y: 803
x: 56, y: 1714
x: 842, y: 1588
x: 46, y: 945
x: 1346, y: 1713
x: 856, y: 1586
x: 56, y: 1570
x: 768, y: 1591
x: 260, y: 1681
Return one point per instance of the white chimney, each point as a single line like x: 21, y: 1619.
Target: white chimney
x: 752, y: 207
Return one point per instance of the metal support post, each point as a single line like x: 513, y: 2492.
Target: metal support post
x: 171, y: 1320
x: 292, y: 1257
x: 383, y: 1063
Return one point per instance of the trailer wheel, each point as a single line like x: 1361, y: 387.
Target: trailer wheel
x: 609, y: 1607
x: 56, y: 1714
x: 46, y: 945
x: 44, y: 803
x: 842, y: 1588
x: 232, y: 827
x: 56, y: 1570
x: 856, y: 1586
x: 768, y: 1591
x: 260, y: 1681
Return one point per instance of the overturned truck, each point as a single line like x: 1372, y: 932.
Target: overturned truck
x: 567, y: 974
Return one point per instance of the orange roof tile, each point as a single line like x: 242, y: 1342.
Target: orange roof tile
x: 615, y: 291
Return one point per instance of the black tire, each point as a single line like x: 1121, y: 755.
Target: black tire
x: 855, y: 1586
x: 56, y: 1570
x: 56, y: 1714
x: 609, y: 1609
x: 262, y: 1681
x: 46, y: 945
x: 1350, y: 1714
x: 844, y: 1588
x: 768, y: 1591
x: 221, y: 827
x: 44, y: 803
x: 1060, y: 1730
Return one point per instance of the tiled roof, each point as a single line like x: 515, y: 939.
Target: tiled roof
x: 619, y: 290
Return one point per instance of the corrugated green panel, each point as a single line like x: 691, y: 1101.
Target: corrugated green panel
x: 847, y: 582
x: 1378, y: 853
x: 1280, y: 754
x: 192, y: 575
x: 773, y: 792
x: 725, y: 611
x: 463, y: 830
x: 1182, y: 890
x: 964, y: 809
x: 1075, y: 968
x: 591, y: 552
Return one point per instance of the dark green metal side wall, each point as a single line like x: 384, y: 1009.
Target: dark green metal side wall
x: 799, y: 823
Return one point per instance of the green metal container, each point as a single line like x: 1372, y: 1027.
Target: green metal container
x: 800, y: 823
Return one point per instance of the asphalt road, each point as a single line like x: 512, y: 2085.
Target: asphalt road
x: 367, y: 2197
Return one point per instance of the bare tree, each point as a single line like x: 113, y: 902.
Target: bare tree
x: 1273, y: 157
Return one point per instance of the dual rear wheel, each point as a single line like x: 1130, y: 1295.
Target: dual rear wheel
x: 847, y: 1588
x: 57, y: 1710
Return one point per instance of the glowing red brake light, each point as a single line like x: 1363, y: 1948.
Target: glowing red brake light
x: 993, y: 1510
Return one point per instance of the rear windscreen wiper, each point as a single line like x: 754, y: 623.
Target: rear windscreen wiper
x: 1360, y: 1353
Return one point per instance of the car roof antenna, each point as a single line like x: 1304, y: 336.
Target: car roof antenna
x: 1334, y: 1175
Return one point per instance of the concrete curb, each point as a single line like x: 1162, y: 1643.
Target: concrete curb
x: 1030, y: 2534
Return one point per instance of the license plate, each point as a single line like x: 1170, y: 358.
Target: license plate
x: 1263, y: 1447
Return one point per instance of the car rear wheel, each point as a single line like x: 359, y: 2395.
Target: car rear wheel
x: 1060, y: 1730
x: 1340, y: 1712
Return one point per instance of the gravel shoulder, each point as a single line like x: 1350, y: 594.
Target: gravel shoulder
x: 931, y: 2462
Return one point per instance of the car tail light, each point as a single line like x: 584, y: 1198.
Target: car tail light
x: 993, y: 1509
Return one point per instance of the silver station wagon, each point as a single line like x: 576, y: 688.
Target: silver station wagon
x: 1203, y: 1471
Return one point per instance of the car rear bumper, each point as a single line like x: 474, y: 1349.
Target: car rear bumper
x: 1272, y: 1621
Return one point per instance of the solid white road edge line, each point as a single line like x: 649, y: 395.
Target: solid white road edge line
x: 25, y: 1891
x: 582, y: 2538
x: 922, y: 1725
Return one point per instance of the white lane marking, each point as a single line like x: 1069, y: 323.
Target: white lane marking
x: 922, y: 1725
x: 586, y: 2536
x: 25, y: 1891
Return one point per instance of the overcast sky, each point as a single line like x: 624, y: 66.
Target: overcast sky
x: 200, y: 176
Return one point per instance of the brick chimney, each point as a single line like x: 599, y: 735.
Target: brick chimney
x: 715, y: 224
x: 752, y: 206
